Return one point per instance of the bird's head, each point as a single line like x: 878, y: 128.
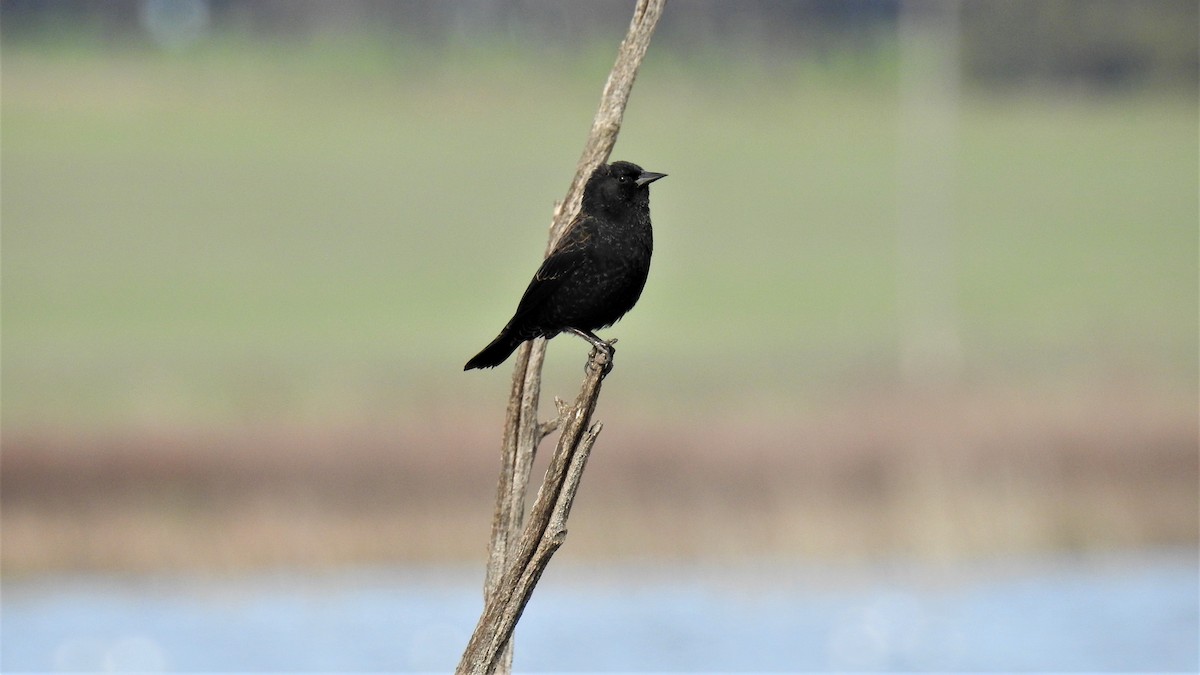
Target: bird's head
x: 618, y: 185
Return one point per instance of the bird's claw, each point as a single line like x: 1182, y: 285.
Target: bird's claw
x: 602, y: 354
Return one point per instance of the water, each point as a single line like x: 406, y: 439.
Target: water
x: 1128, y: 613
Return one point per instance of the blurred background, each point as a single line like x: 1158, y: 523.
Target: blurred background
x: 913, y: 383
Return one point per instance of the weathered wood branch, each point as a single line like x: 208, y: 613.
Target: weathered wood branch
x: 546, y: 529
x: 514, y: 567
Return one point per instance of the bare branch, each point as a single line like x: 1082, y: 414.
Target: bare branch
x: 521, y: 436
x: 513, y: 569
x: 547, y: 428
x: 546, y: 529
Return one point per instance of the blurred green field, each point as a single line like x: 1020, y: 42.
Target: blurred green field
x: 273, y: 232
x: 240, y: 282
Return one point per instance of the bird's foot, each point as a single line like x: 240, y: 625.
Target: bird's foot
x: 602, y: 354
x: 602, y: 348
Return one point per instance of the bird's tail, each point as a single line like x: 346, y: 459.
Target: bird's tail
x: 495, y: 353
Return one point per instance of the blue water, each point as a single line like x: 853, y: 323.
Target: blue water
x: 1137, y: 612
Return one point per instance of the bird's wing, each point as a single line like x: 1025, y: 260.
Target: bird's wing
x: 548, y: 278
x: 567, y: 255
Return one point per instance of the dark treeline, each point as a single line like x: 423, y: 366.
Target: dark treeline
x: 1100, y: 43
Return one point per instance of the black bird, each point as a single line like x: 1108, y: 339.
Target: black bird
x: 595, y: 273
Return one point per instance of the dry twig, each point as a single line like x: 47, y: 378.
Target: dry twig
x: 515, y: 567
x: 546, y: 530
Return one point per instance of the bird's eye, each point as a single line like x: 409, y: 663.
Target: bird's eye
x: 623, y: 179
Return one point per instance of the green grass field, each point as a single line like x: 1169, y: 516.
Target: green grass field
x: 185, y: 238
x: 295, y: 249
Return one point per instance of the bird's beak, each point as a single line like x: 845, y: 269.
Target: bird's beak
x: 648, y: 177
